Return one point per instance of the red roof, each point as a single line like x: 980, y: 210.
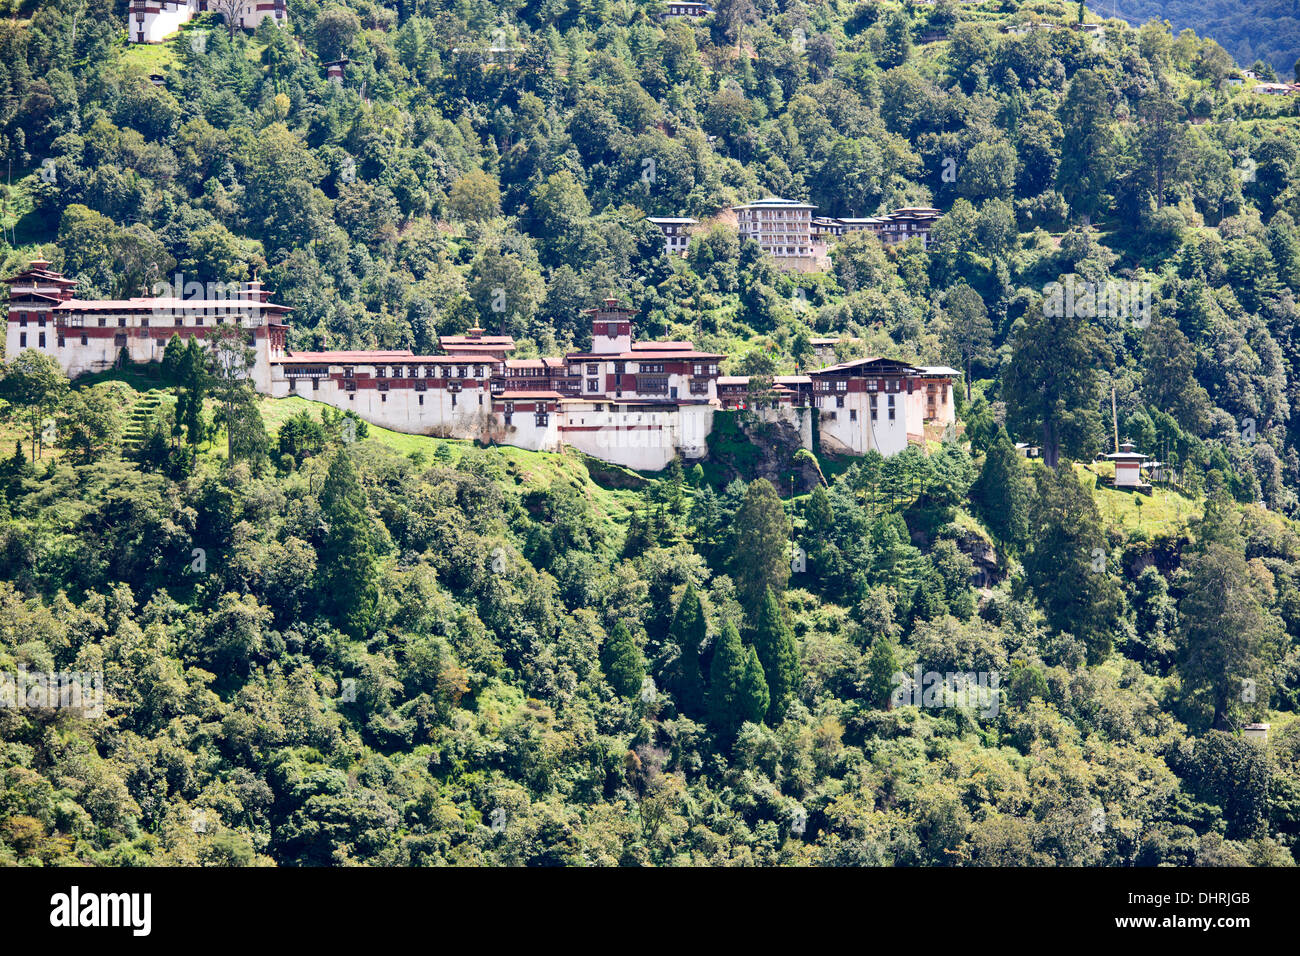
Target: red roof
x: 326, y: 358
x: 860, y: 363
x: 640, y: 356
x: 662, y: 346
x: 169, y: 304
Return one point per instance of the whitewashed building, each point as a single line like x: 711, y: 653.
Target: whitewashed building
x: 153, y: 21
x: 638, y: 404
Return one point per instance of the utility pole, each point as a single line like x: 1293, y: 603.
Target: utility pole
x: 1114, y: 418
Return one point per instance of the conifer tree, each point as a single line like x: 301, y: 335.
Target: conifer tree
x: 622, y: 661
x: 348, y: 569
x: 881, y: 668
x: 730, y: 694
x: 688, y: 631
x: 1001, y: 494
x: 775, y: 646
x: 753, y: 699
x: 761, y: 558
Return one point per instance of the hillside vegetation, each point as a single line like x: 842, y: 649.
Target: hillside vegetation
x: 324, y: 644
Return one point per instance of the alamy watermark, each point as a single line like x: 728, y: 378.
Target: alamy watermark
x: 54, y: 690
x: 223, y: 298
x: 1081, y: 299
x: 932, y: 689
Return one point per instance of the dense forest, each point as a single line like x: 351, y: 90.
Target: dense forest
x: 1250, y: 30
x: 326, y: 644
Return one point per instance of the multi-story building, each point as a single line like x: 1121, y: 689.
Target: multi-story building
x: 152, y: 21
x: 88, y: 335
x: 781, y: 227
x: 904, y: 223
x: 676, y: 230
x: 879, y: 404
x: 638, y: 404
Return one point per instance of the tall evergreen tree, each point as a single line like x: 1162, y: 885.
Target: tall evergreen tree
x: 1066, y: 563
x: 754, y: 699
x: 622, y: 661
x: 737, y: 688
x: 775, y: 645
x: 1050, y: 384
x: 688, y: 631
x: 761, y: 555
x: 348, y: 568
x: 1001, y: 493
x: 1229, y: 639
x: 881, y: 668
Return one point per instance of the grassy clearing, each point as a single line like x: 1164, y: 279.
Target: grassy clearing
x: 1164, y: 512
x: 149, y: 57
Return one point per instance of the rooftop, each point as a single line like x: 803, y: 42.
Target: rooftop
x: 776, y: 202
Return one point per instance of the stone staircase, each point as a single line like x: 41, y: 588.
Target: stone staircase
x: 137, y: 427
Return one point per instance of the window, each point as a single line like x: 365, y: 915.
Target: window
x: 121, y: 322
x: 542, y: 418
x: 591, y: 369
x: 119, y: 340
x: 891, y: 408
x: 22, y: 340
x: 83, y: 338
x: 853, y: 414
x: 41, y: 343
x: 350, y: 384
x: 420, y: 386
x: 347, y: 373
x: 383, y: 387
x: 841, y: 386
x: 592, y: 385
x: 102, y: 321
x: 60, y: 341
x: 421, y: 399
x: 872, y: 400
x: 839, y: 401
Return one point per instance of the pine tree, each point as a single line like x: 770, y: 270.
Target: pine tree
x: 727, y: 705
x: 622, y: 661
x: 753, y: 700
x: 761, y: 558
x: 688, y: 631
x: 819, y: 515
x: 348, y: 569
x: 881, y: 668
x: 1001, y: 493
x: 928, y: 603
x: 774, y: 643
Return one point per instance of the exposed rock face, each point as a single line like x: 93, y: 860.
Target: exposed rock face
x: 744, y: 446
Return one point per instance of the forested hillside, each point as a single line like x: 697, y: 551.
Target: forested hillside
x: 1250, y: 30
x: 326, y: 644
